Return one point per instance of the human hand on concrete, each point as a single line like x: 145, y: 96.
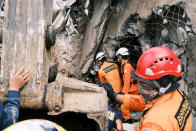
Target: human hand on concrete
x: 19, y: 79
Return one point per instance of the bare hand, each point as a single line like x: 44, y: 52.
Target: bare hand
x: 19, y: 79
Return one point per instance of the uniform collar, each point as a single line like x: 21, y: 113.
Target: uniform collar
x: 159, y: 101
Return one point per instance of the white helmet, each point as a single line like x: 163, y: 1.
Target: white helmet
x: 100, y: 56
x: 122, y: 51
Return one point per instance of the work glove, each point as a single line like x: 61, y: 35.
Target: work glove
x: 110, y: 93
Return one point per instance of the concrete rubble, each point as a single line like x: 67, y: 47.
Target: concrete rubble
x: 85, y: 27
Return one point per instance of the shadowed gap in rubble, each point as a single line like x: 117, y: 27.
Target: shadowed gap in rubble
x: 130, y: 41
x: 71, y: 121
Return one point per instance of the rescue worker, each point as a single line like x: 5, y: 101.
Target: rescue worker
x: 10, y: 112
x: 167, y: 108
x: 129, y: 85
x: 109, y: 72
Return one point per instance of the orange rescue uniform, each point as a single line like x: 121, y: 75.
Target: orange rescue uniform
x: 129, y: 87
x: 109, y: 73
x: 170, y: 112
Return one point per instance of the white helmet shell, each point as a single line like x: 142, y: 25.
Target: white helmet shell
x: 122, y: 51
x: 100, y: 56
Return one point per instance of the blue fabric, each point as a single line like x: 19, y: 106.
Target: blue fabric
x: 113, y: 115
x: 10, y: 112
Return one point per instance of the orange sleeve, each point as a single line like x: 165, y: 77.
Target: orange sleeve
x: 149, y: 126
x: 101, y: 77
x: 134, y: 103
x: 127, y: 79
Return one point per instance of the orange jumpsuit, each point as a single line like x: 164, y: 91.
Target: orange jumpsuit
x: 109, y: 73
x: 170, y: 112
x: 129, y: 87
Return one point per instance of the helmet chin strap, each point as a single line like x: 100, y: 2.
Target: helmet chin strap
x: 162, y: 90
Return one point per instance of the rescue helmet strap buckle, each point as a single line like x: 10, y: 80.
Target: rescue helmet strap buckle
x: 162, y: 90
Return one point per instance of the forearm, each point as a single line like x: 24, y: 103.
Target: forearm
x: 119, y: 125
x: 11, y: 108
x: 134, y: 102
x: 119, y: 98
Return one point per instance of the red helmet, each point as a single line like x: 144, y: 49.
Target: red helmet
x: 157, y: 62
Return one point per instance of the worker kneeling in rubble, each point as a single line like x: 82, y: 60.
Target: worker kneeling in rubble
x: 109, y: 72
x: 167, y: 107
x: 129, y: 85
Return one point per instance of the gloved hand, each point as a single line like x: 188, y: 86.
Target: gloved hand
x: 110, y: 93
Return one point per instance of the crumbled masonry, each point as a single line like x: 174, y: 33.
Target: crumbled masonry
x: 78, y: 30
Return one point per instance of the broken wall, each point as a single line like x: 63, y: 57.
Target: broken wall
x: 77, y: 49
